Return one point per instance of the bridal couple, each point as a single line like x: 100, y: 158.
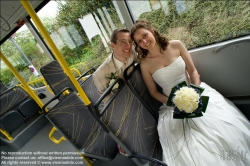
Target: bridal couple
x: 220, y: 137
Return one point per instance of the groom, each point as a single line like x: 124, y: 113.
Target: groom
x: 123, y: 55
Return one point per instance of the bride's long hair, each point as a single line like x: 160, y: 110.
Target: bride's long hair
x: 161, y: 40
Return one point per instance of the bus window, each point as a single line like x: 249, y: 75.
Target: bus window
x: 25, y: 54
x: 81, y: 30
x: 196, y: 23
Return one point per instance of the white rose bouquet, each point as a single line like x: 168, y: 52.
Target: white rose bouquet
x: 112, y: 78
x: 187, y: 101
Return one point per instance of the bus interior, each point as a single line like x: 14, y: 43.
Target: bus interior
x: 47, y: 46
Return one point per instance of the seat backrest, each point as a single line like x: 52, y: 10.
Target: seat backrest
x: 16, y: 108
x: 29, y: 108
x: 11, y: 99
x: 131, y: 125
x: 3, y: 87
x: 73, y: 119
x: 55, y: 77
x: 90, y: 89
x: 136, y: 84
x: 11, y: 121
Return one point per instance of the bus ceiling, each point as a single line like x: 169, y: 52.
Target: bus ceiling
x: 13, y: 15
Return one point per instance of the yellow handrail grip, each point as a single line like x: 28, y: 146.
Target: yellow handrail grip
x: 46, y: 109
x: 27, y: 6
x: 44, y: 83
x: 36, y: 81
x: 78, y: 73
x: 47, y: 86
x: 53, y: 139
x: 66, y: 92
x: 6, y: 134
x: 75, y: 70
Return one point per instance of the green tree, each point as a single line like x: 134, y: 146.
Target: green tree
x: 29, y: 47
x: 78, y: 9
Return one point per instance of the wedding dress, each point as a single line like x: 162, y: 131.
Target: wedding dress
x: 221, y: 137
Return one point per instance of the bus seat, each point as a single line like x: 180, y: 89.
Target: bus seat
x: 29, y: 108
x: 76, y: 123
x: 86, y: 74
x: 11, y: 99
x: 3, y: 87
x: 15, y: 103
x: 11, y: 121
x: 131, y: 125
x: 90, y: 89
x: 136, y: 84
x: 57, y: 79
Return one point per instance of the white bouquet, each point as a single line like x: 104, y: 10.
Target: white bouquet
x: 187, y: 101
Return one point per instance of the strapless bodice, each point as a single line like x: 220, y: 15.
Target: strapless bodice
x: 171, y: 75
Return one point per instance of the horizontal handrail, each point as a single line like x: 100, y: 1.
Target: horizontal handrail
x: 85, y: 74
x: 229, y: 44
x: 65, y: 91
x: 76, y: 71
x: 41, y: 79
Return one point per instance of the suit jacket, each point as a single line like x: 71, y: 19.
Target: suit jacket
x: 105, y: 69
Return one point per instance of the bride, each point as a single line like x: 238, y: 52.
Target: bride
x: 220, y: 137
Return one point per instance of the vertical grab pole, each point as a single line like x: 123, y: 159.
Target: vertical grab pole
x: 23, y: 82
x: 54, y: 49
x: 58, y: 56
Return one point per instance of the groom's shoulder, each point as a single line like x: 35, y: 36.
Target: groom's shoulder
x: 104, y: 65
x: 106, y: 61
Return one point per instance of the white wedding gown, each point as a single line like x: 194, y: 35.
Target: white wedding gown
x: 221, y: 137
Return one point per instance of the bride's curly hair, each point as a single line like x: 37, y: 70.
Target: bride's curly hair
x: 160, y: 39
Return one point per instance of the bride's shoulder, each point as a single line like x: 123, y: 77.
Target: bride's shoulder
x: 144, y: 64
x: 175, y: 43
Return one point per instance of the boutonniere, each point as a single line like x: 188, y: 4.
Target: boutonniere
x: 112, y: 78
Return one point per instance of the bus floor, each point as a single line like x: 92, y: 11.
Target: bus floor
x: 40, y: 150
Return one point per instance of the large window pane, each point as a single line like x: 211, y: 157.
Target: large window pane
x: 81, y: 30
x: 196, y: 23
x: 25, y: 54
